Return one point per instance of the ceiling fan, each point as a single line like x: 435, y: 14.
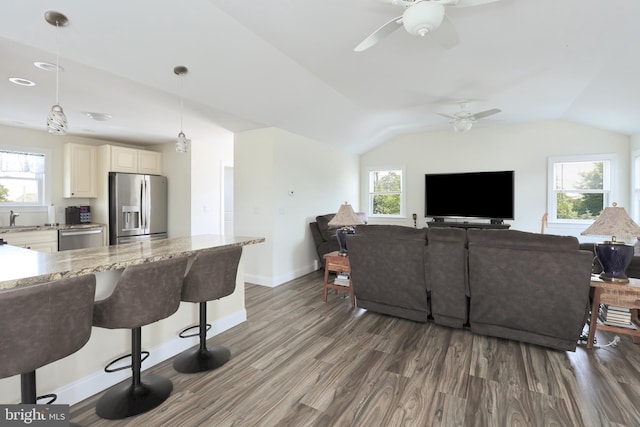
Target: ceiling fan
x: 422, y: 17
x: 463, y: 120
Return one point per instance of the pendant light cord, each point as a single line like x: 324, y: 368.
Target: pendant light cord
x: 181, y: 103
x: 57, y: 64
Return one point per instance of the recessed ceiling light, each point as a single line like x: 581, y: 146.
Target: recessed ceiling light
x: 21, y: 82
x: 47, y: 66
x: 101, y: 117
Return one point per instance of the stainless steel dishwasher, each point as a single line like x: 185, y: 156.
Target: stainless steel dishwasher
x: 80, y: 238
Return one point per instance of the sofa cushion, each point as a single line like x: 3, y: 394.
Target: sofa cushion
x: 392, y: 231
x: 323, y: 225
x: 515, y: 238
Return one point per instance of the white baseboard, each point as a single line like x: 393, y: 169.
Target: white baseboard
x: 99, y: 381
x: 272, y: 282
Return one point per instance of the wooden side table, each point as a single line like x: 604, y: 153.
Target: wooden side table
x: 620, y: 294
x: 337, y: 263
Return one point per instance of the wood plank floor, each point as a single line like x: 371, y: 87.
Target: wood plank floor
x: 298, y: 361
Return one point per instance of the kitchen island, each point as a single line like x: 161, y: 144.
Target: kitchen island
x: 81, y: 375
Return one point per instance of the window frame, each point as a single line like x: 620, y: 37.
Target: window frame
x: 43, y: 200
x: 371, y: 194
x: 609, y: 183
x: 635, y: 186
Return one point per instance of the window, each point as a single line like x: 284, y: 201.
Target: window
x: 386, y: 192
x: 579, y: 187
x: 22, y: 178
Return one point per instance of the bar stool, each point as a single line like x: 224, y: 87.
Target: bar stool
x: 41, y: 324
x: 145, y: 293
x: 211, y: 276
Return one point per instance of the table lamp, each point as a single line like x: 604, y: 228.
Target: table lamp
x: 614, y: 256
x: 345, y: 219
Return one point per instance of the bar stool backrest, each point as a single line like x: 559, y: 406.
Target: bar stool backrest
x: 145, y: 293
x: 40, y: 324
x: 212, y: 275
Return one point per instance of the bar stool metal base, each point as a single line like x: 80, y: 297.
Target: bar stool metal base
x: 126, y: 400
x: 198, y: 360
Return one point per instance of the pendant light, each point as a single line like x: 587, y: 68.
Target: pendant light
x: 182, y: 143
x: 56, y: 120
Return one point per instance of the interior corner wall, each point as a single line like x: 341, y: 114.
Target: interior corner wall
x: 523, y: 148
x: 207, y: 158
x: 282, y: 181
x: 176, y: 167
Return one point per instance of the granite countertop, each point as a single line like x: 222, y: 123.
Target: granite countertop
x: 21, y: 228
x: 23, y: 267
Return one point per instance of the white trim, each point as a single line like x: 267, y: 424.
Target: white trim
x: 403, y: 191
x: 609, y: 182
x: 635, y: 185
x: 47, y: 197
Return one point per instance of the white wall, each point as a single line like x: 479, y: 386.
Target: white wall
x: 268, y: 164
x: 523, y: 148
x: 207, y: 160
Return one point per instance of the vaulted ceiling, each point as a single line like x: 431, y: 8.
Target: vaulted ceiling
x: 292, y: 65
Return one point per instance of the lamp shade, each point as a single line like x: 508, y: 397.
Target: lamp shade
x: 615, y: 222
x: 614, y: 255
x: 345, y: 217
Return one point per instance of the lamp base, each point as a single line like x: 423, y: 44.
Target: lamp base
x: 614, y: 258
x: 341, y: 234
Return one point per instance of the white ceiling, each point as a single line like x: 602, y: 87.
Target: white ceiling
x: 291, y: 64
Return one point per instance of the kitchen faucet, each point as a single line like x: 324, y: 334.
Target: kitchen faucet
x: 12, y: 218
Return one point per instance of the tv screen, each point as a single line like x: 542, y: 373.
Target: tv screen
x: 487, y: 195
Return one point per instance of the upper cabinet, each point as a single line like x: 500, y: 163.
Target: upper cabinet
x: 80, y: 170
x: 131, y: 160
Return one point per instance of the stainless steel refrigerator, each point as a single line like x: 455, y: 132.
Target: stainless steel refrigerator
x: 137, y: 207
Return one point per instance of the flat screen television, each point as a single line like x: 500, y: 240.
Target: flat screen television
x: 476, y: 195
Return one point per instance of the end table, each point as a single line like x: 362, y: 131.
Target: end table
x: 621, y: 294
x: 337, y: 263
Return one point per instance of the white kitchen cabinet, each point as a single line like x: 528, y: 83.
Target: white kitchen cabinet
x: 80, y: 170
x: 149, y: 162
x: 132, y: 160
x: 42, y: 241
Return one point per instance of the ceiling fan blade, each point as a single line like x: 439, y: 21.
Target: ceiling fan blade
x: 446, y: 34
x: 379, y: 34
x: 469, y: 3
x: 447, y: 116
x: 486, y: 113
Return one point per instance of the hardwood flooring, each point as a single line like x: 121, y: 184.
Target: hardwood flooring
x: 300, y: 362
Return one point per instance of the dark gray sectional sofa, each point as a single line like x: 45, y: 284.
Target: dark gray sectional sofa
x: 522, y: 286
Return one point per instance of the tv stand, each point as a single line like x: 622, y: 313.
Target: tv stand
x: 491, y: 225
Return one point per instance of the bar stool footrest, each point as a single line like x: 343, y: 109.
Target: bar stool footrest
x: 126, y: 400
x: 145, y: 355
x: 182, y: 333
x: 51, y: 396
x: 196, y: 360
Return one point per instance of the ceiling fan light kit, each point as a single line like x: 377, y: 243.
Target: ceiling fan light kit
x: 422, y: 18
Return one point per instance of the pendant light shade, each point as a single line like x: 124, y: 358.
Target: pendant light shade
x: 182, y: 143
x: 56, y: 119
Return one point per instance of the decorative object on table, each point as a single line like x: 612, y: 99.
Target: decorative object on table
x: 56, y: 120
x: 614, y: 255
x: 182, y: 143
x: 345, y: 219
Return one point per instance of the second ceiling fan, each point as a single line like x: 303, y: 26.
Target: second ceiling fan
x: 422, y: 17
